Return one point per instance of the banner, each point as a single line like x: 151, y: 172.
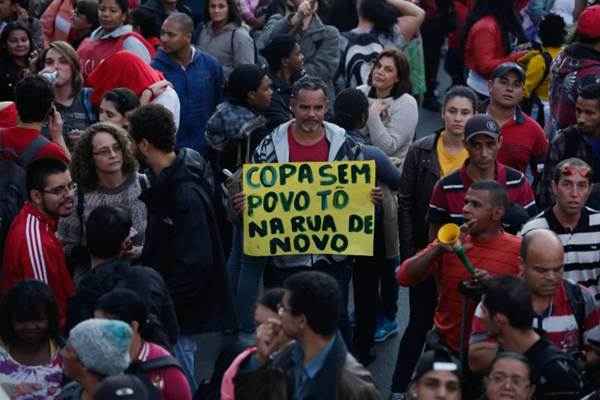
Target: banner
x: 309, y: 208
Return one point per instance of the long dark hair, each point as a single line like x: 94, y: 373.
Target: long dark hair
x: 233, y: 13
x: 380, y: 13
x: 8, y: 29
x: 402, y: 69
x: 506, y: 17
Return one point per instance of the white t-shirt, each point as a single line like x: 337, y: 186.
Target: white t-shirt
x: 170, y: 101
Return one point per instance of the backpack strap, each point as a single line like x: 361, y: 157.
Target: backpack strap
x: 32, y: 150
x: 86, y: 101
x: 167, y: 361
x: 577, y: 303
x: 231, y: 44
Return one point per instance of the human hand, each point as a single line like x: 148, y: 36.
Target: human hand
x: 377, y: 107
x: 55, y: 124
x: 269, y: 338
x: 377, y: 195
x: 238, y: 202
x: 153, y: 91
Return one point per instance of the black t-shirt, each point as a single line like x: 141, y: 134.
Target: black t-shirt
x: 556, y: 374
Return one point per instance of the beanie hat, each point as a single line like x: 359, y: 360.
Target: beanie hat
x: 588, y: 24
x: 102, y: 345
x: 244, y: 79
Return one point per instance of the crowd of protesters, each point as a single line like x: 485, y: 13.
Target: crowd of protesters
x: 124, y: 125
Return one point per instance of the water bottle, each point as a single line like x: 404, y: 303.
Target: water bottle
x: 50, y: 76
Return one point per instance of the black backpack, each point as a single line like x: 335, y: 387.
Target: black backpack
x: 141, y: 369
x: 577, y: 303
x: 356, y: 61
x: 12, y: 182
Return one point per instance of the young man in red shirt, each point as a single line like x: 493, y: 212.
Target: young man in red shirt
x: 490, y: 249
x: 32, y: 250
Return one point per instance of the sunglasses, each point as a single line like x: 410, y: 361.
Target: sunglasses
x: 571, y: 170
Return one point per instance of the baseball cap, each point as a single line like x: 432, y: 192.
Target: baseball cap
x: 508, y: 67
x: 121, y: 387
x: 481, y: 124
x: 588, y: 23
x: 437, y: 360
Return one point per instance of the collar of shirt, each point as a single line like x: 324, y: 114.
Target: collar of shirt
x: 317, y: 362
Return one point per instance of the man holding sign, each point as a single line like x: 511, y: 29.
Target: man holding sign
x: 307, y: 139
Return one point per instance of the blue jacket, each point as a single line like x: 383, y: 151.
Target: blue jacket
x: 200, y: 89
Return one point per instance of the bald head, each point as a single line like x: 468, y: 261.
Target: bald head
x: 183, y: 21
x: 541, y: 243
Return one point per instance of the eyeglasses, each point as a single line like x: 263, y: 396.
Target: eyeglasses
x: 570, y: 170
x: 62, y: 191
x: 107, y: 151
x: 517, y: 381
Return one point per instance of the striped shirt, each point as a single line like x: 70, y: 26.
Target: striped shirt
x: 558, y: 322
x: 448, y: 197
x: 581, y: 245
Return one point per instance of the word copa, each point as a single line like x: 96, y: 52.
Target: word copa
x: 328, y: 174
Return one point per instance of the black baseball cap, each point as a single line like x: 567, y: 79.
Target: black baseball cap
x: 508, y: 67
x: 437, y: 360
x: 481, y: 124
x: 122, y: 387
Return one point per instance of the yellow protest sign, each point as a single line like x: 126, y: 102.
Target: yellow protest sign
x: 309, y: 208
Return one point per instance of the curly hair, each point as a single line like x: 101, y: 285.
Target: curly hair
x: 83, y: 168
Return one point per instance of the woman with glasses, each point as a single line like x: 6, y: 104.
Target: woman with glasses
x: 509, y: 378
x: 106, y: 173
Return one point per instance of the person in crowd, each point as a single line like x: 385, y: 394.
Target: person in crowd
x: 145, y: 22
x: 95, y: 349
x: 233, y: 132
x: 523, y: 141
x: 29, y: 342
x: 428, y: 159
x: 85, y: 21
x: 71, y: 100
x: 15, y: 49
x: 537, y: 10
x: 108, y: 240
x: 579, y: 140
x: 33, y: 99
x: 161, y: 9
x: 507, y: 312
x: 309, y: 138
x: 309, y: 313
x: 253, y: 13
x: 116, y: 105
x: 510, y: 376
x: 393, y: 112
x: 573, y: 222
x: 57, y: 20
x: 266, y: 309
x: 122, y: 387
x: 127, y: 306
x: 32, y: 251
x: 105, y: 171
x: 491, y: 250
x: 286, y: 66
x: 564, y: 311
x: 113, y: 34
x: 319, y: 43
x: 351, y: 111
x: 552, y: 33
x: 491, y: 31
x: 575, y: 67
x: 17, y: 11
x: 125, y: 69
x: 437, y: 377
x: 183, y: 235
x: 381, y: 24
x: 191, y: 71
x: 224, y: 37
x: 483, y: 142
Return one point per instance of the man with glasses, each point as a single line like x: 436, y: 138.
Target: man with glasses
x: 32, y: 250
x: 507, y: 312
x: 577, y: 226
x: 509, y: 378
x: 565, y: 312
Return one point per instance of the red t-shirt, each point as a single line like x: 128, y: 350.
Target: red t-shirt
x: 498, y: 256
x: 299, y: 152
x: 18, y: 139
x: 171, y: 382
x: 523, y: 141
x: 8, y: 116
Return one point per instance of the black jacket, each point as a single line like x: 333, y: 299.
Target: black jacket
x: 279, y: 111
x: 159, y: 10
x: 118, y: 273
x: 183, y: 243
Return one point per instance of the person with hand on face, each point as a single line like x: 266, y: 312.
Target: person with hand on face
x: 71, y: 99
x: 482, y: 142
x: 573, y: 222
x: 16, y: 49
x: 29, y: 342
x: 224, y: 37
x: 32, y: 250
x: 581, y: 140
x: 523, y: 141
x: 491, y: 250
x: 428, y: 159
x: 437, y: 377
x: 510, y: 377
x: 564, y: 311
x: 116, y: 105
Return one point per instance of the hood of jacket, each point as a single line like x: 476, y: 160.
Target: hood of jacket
x: 100, y: 33
x: 189, y: 165
x: 336, y: 136
x: 574, y: 58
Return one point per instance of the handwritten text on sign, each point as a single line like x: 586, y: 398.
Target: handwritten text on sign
x: 309, y: 208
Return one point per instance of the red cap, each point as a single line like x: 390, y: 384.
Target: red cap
x: 588, y: 24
